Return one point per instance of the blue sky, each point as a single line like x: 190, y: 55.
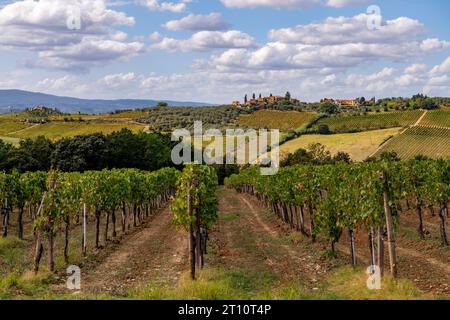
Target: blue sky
x: 218, y: 50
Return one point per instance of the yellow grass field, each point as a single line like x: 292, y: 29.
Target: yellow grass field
x: 9, y: 127
x: 359, y: 145
x: 58, y: 130
x: 272, y: 119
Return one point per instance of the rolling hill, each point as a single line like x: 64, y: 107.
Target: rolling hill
x: 19, y: 100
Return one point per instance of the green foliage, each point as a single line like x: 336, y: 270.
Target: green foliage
x: 316, y: 154
x: 328, y: 108
x: 166, y: 119
x: 345, y: 196
x: 197, y: 183
x: 63, y: 194
x: 42, y: 112
x: 323, y: 129
x: 122, y: 149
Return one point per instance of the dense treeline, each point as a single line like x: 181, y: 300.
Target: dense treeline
x: 327, y: 200
x: 57, y: 201
x: 122, y: 149
x: 315, y: 154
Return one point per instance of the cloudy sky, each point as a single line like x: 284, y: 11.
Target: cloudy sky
x: 218, y: 50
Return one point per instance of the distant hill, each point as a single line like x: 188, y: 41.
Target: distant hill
x: 18, y: 100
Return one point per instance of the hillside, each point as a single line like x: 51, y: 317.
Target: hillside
x: 272, y: 119
x: 19, y: 100
x: 358, y: 145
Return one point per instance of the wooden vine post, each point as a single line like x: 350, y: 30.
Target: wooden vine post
x: 84, y: 250
x: 389, y: 224
x: 191, y: 239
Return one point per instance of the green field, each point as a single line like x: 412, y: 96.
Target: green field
x: 58, y: 130
x: 431, y: 142
x: 439, y: 118
x: 371, y: 121
x: 359, y: 146
x: 271, y: 119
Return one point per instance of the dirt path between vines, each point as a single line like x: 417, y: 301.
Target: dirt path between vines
x: 158, y: 253
x: 427, y: 267
x: 252, y: 240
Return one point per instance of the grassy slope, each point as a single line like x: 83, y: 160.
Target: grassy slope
x: 431, y: 142
x: 9, y: 127
x: 57, y: 130
x: 358, y: 145
x: 272, y: 119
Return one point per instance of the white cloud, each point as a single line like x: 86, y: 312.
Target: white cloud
x: 88, y: 53
x: 206, y: 40
x: 221, y: 86
x: 118, y: 81
x: 277, y: 55
x: 270, y: 3
x: 64, y: 84
x: 41, y: 27
x: 334, y: 43
x: 283, y: 4
x: 345, y: 3
x: 441, y: 69
x: 156, y: 5
x: 192, y: 22
x: 342, y: 30
x: 328, y: 79
x: 416, y: 68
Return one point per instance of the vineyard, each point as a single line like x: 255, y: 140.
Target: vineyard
x: 282, y: 120
x: 415, y: 141
x: 338, y: 124
x: 56, y: 202
x: 64, y: 211
x: 328, y: 201
x: 437, y: 118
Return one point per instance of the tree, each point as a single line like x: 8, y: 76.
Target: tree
x: 319, y: 154
x: 328, y: 108
x: 162, y: 104
x: 301, y: 156
x: 245, y: 99
x: 429, y: 104
x: 391, y: 156
x: 254, y: 96
x: 343, y: 157
x: 324, y: 129
x: 20, y: 160
x: 287, y: 97
x: 81, y: 153
x: 5, y: 148
x: 40, y: 149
